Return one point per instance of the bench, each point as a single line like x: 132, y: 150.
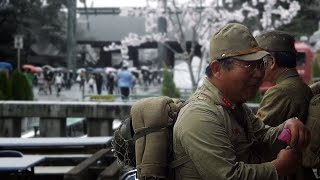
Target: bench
x: 50, y: 145
x: 62, y: 154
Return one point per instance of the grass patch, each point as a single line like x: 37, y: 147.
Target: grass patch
x: 108, y: 98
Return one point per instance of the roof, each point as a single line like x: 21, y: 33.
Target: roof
x: 105, y: 24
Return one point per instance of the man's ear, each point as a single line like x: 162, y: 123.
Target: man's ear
x: 215, y: 67
x: 273, y: 64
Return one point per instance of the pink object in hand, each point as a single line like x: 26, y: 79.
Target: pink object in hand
x: 285, y: 135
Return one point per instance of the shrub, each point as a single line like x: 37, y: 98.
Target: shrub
x: 21, y: 90
x: 315, y: 70
x: 168, y: 87
x: 5, y: 89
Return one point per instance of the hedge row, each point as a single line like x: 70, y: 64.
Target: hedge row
x: 14, y: 86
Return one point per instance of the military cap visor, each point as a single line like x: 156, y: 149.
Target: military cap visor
x: 252, y: 56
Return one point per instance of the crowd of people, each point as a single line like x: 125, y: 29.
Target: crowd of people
x: 121, y: 81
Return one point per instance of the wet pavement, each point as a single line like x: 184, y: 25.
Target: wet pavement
x: 77, y: 94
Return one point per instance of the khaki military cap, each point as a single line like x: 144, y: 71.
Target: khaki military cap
x: 235, y: 40
x: 276, y: 41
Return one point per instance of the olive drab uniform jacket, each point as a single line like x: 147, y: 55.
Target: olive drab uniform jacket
x: 221, y: 139
x: 288, y: 98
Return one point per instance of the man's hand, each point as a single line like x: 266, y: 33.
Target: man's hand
x: 300, y: 135
x: 287, y: 162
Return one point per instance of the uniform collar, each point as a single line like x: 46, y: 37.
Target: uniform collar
x: 216, y: 96
x: 292, y: 72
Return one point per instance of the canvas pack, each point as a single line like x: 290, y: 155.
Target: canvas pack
x: 144, y: 140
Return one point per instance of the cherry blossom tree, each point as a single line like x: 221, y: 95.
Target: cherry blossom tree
x: 194, y: 21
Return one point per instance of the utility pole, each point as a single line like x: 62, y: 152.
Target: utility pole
x: 71, y: 39
x: 162, y: 28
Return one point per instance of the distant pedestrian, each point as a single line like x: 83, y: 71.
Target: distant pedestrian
x: 111, y: 78
x: 99, y: 82
x: 68, y: 79
x: 48, y: 79
x: 125, y: 79
x: 58, y: 81
x: 91, y: 83
x: 145, y: 78
x: 81, y: 79
x: 41, y: 87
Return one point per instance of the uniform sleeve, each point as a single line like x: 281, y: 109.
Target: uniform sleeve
x: 206, y: 141
x: 276, y: 107
x: 267, y: 136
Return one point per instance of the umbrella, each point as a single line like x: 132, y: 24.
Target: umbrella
x: 90, y: 69
x: 81, y: 70
x: 60, y: 69
x: 39, y: 69
x: 144, y: 68
x: 133, y: 69
x: 50, y: 68
x: 98, y: 70
x: 31, y: 67
x: 5, y: 65
x: 110, y: 69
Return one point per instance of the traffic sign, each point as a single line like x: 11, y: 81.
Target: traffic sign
x: 18, y: 41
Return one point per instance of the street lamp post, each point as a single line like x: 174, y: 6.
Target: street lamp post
x: 18, y: 44
x: 162, y: 28
x: 71, y: 39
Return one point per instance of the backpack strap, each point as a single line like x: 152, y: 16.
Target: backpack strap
x: 178, y: 162
x: 144, y: 131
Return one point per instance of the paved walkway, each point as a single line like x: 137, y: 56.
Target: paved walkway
x: 77, y: 94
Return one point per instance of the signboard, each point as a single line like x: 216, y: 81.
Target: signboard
x: 18, y: 41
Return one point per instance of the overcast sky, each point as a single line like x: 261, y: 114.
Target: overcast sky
x: 114, y: 3
x: 121, y: 3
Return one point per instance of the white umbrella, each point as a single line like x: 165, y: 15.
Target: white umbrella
x: 98, y: 70
x: 39, y: 69
x: 50, y: 68
x: 81, y: 70
x: 60, y: 69
x: 110, y: 69
x: 133, y: 69
x: 145, y: 68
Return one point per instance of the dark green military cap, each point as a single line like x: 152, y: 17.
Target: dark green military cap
x: 277, y: 41
x: 235, y: 40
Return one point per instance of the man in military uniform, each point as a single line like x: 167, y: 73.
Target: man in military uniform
x: 290, y: 96
x: 216, y: 135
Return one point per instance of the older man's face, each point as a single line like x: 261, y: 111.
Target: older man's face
x: 242, y: 81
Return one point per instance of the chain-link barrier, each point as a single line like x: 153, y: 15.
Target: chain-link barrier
x: 123, y: 144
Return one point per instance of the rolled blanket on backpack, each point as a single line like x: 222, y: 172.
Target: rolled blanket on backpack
x: 311, y: 156
x: 149, y: 120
